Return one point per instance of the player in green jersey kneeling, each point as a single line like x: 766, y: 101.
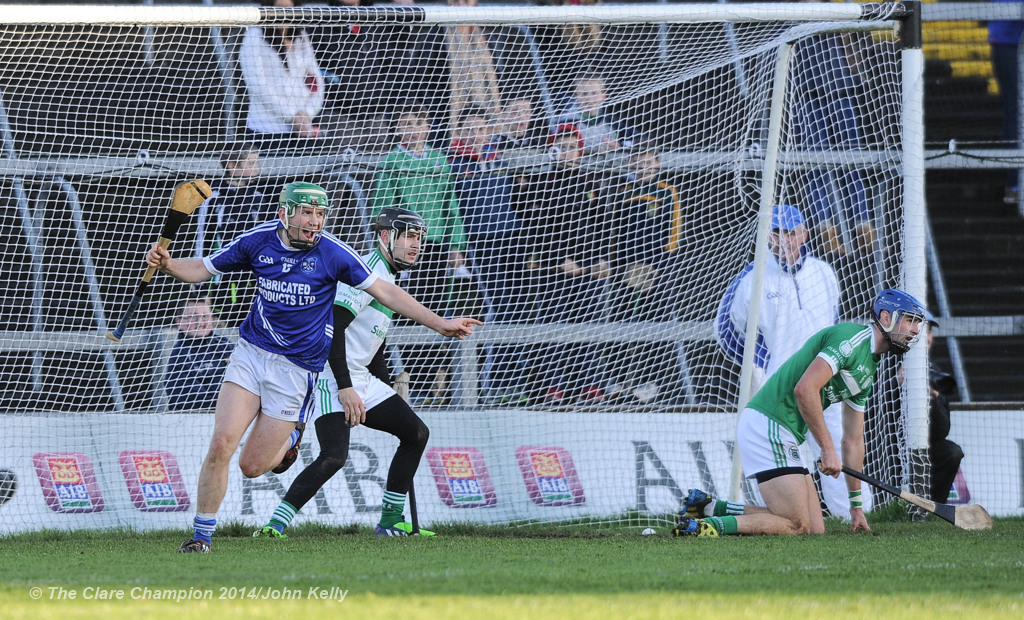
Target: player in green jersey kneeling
x: 837, y: 364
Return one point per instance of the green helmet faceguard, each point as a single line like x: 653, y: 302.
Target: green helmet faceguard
x: 302, y: 194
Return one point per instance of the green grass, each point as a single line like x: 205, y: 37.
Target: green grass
x: 901, y: 569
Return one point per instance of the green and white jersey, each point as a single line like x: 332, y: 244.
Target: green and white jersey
x: 847, y: 349
x: 365, y: 335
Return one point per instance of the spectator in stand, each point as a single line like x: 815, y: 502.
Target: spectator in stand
x: 474, y: 82
x: 493, y: 230
x: 417, y: 177
x: 235, y: 205
x: 567, y: 232
x: 944, y: 454
x: 450, y: 68
x: 516, y: 127
x: 284, y: 85
x: 1004, y: 37
x: 518, y: 131
x: 196, y: 366
x: 648, y: 264
x: 826, y: 83
x: 601, y: 131
x: 566, y: 50
x: 363, y: 77
x: 859, y: 269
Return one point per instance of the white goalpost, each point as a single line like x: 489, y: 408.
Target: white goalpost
x: 595, y: 178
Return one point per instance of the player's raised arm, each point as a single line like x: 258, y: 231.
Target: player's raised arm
x: 187, y: 269
x: 398, y: 300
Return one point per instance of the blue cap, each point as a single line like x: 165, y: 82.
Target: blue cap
x: 928, y: 316
x: 786, y: 217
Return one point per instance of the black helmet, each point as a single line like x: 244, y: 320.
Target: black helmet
x: 398, y: 220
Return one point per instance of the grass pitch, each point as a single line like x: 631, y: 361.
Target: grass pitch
x: 900, y: 570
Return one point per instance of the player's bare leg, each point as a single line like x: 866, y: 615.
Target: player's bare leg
x: 236, y: 409
x: 792, y: 508
x: 265, y: 446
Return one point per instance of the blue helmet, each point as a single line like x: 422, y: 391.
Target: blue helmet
x: 898, y: 303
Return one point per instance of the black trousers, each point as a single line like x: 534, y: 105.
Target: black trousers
x: 945, y: 457
x: 393, y: 416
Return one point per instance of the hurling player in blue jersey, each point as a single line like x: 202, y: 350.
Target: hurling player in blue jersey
x: 284, y: 341
x: 358, y: 389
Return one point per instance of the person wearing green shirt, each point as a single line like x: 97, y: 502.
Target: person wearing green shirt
x: 418, y: 177
x: 835, y: 365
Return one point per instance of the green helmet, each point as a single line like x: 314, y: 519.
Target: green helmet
x: 300, y: 193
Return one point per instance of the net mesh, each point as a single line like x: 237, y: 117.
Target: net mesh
x: 591, y: 190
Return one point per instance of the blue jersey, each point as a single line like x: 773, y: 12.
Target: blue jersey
x: 292, y: 315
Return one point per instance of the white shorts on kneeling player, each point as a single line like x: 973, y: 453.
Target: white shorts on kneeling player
x: 765, y: 445
x: 285, y: 390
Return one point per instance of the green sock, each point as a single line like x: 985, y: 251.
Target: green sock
x: 282, y: 517
x: 392, y: 508
x: 724, y: 525
x: 723, y: 508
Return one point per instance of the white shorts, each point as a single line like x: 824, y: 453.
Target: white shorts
x: 765, y: 445
x: 370, y: 389
x: 285, y: 390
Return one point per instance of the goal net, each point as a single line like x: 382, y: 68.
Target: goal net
x: 595, y: 180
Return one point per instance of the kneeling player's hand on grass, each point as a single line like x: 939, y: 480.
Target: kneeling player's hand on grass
x: 858, y: 522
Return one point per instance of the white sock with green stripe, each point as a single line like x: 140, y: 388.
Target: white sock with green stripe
x: 392, y: 508
x: 282, y: 517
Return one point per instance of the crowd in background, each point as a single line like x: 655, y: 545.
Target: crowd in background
x: 589, y: 228
x: 561, y: 242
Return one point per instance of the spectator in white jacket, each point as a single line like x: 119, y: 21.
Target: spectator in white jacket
x: 284, y: 84
x: 799, y: 297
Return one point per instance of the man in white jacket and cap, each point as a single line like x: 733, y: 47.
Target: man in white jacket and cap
x: 799, y: 297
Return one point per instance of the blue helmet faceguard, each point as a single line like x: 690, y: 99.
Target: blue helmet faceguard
x: 898, y: 304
